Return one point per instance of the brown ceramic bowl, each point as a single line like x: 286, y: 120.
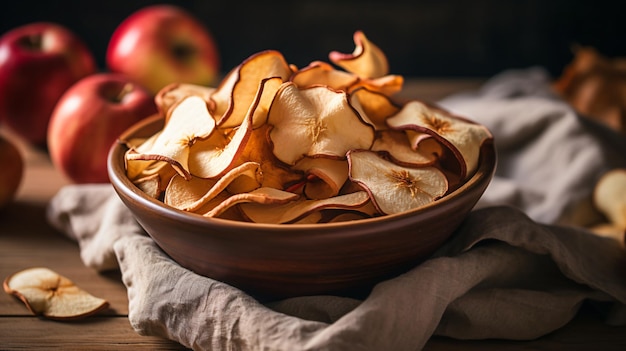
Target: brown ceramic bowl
x: 277, y: 261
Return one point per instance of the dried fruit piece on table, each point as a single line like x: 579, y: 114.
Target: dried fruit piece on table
x: 609, y: 197
x: 52, y: 295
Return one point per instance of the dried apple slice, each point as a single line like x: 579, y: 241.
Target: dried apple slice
x: 315, y: 121
x: 430, y: 146
x: 231, y: 213
x: 258, y: 106
x: 610, y: 230
x: 247, y: 181
x: 181, y: 193
x: 47, y: 293
x: 285, y: 213
x: 154, y: 178
x: 275, y: 174
x: 263, y: 100
x: 387, y: 85
x: 190, y: 195
x: 169, y: 95
x: 329, y: 176
x: 394, y: 188
x: 259, y: 196
x: 609, y: 197
x: 151, y: 185
x: 463, y: 137
x: 189, y: 121
x: 322, y: 73
x: 322, y: 188
x: 158, y: 167
x: 416, y: 137
x: 232, y: 99
x: 367, y: 60
x: 215, y: 156
x: 135, y: 168
x: 374, y: 106
x: 396, y: 144
x: 368, y: 209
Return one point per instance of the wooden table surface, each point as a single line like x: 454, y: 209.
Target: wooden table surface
x: 26, y: 240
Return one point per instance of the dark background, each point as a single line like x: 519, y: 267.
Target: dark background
x: 427, y: 38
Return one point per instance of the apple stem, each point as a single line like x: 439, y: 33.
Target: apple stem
x: 127, y: 88
x: 32, y: 42
x: 183, y: 51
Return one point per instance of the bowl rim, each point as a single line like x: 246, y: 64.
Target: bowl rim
x: 121, y: 183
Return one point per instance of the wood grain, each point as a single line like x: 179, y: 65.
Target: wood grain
x: 96, y: 333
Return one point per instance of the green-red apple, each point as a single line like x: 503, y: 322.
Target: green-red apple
x: 163, y: 44
x: 89, y: 118
x: 38, y: 62
x: 12, y: 170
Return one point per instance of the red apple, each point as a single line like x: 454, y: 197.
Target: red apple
x: 163, y: 44
x: 12, y: 165
x: 89, y: 118
x: 38, y: 62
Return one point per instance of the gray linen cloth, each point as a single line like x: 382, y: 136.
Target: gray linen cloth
x: 519, y: 267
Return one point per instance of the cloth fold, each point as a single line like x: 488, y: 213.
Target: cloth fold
x: 519, y: 267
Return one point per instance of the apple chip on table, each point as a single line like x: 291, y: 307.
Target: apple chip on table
x: 303, y: 143
x: 47, y: 293
x: 609, y: 198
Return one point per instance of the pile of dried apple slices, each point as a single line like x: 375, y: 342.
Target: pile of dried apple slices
x: 277, y: 144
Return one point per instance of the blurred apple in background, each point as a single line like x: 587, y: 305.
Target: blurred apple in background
x: 163, y: 44
x: 11, y: 172
x: 89, y: 118
x: 38, y: 62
